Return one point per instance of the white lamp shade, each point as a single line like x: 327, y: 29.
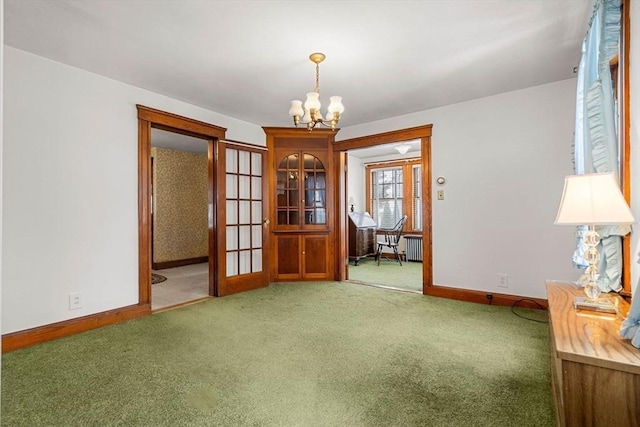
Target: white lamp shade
x: 307, y: 116
x: 313, y: 101
x: 296, y: 108
x: 352, y: 200
x: 336, y: 105
x: 593, y: 199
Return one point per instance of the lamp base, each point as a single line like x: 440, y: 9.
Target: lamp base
x: 602, y: 305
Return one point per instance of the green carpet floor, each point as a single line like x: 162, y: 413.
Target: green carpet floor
x: 296, y: 354
x: 388, y: 273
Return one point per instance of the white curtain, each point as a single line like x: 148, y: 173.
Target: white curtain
x: 596, y: 133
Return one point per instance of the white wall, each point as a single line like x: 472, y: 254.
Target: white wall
x: 356, y: 183
x: 70, y: 188
x: 1, y: 145
x: 505, y: 158
x: 634, y: 88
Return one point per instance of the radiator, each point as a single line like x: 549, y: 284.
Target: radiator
x: 414, y: 248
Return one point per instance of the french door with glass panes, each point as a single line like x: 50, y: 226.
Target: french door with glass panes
x: 242, y: 209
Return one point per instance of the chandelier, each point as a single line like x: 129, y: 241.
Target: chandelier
x: 311, y: 115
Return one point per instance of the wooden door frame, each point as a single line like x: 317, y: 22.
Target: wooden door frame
x: 625, y: 137
x: 149, y: 118
x: 340, y: 148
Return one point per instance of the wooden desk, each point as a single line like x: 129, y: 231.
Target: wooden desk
x: 595, y: 373
x: 362, y: 236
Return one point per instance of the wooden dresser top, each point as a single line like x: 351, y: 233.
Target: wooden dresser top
x: 586, y: 336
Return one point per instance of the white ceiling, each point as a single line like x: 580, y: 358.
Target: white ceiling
x: 248, y: 59
x: 386, y: 150
x: 175, y: 141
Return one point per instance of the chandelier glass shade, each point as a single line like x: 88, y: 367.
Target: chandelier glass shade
x: 309, y: 113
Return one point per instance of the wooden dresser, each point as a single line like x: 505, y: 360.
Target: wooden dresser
x: 362, y: 236
x: 595, y: 373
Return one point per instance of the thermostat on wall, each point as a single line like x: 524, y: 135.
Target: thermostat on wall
x: 440, y: 180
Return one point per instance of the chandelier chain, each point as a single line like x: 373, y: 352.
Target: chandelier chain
x: 317, y: 78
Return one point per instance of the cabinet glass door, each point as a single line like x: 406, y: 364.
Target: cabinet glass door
x: 295, y: 195
x: 315, y: 191
x: 288, y: 197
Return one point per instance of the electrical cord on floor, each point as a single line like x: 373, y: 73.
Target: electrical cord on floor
x: 515, y: 304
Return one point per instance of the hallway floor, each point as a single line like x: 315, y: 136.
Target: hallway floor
x: 183, y: 284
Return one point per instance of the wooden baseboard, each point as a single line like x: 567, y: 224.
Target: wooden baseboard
x: 482, y: 297
x: 28, y: 337
x: 179, y: 263
x: 40, y: 334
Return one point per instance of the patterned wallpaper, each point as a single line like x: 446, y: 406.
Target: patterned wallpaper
x: 180, y: 205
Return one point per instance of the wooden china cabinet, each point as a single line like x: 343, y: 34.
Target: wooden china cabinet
x: 301, y: 196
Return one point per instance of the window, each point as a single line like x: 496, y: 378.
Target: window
x: 387, y: 196
x: 393, y: 190
x: 417, y: 197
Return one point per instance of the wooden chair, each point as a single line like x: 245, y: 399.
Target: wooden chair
x: 392, y: 240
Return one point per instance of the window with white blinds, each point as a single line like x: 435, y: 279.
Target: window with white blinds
x: 417, y: 197
x: 387, y: 191
x: 395, y: 189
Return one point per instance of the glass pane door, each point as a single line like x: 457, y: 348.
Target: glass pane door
x: 244, y: 212
x: 244, y: 217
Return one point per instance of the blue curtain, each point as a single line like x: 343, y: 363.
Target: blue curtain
x: 596, y: 133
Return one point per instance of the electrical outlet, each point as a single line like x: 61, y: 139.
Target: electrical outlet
x: 503, y: 280
x: 75, y: 301
x: 440, y: 194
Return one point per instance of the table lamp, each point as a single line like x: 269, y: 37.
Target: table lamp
x: 593, y: 199
x: 352, y: 202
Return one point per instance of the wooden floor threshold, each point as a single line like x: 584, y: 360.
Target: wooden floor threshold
x: 392, y: 288
x: 182, y: 304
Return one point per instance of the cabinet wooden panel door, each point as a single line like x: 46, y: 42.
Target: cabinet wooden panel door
x: 315, y: 257
x: 288, y: 260
x: 302, y: 257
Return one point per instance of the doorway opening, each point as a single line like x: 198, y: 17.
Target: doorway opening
x: 416, y: 242
x: 150, y: 120
x: 179, y: 219
x: 384, y: 233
